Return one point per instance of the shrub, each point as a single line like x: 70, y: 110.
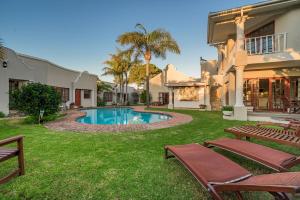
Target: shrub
x: 143, y: 96
x: 2, y: 115
x: 202, y: 106
x: 34, y: 97
x: 33, y: 119
x: 135, y: 97
x: 101, y: 103
x: 13, y: 99
x: 227, y: 108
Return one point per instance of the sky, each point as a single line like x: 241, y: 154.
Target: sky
x: 80, y: 34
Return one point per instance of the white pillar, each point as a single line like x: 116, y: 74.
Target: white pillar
x: 171, y: 100
x: 223, y: 92
x: 240, y: 32
x: 207, y: 97
x: 239, y: 83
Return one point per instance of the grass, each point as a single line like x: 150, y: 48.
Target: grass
x: 69, y: 165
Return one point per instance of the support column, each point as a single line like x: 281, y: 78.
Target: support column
x: 223, y: 92
x: 240, y: 111
x: 207, y: 97
x: 171, y: 99
x: 239, y: 83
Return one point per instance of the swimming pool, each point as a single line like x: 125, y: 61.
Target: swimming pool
x: 120, y: 116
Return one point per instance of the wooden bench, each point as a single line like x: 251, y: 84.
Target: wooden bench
x: 8, y: 153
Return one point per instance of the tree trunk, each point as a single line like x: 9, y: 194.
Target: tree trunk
x: 147, y: 58
x: 122, y: 93
x: 126, y: 85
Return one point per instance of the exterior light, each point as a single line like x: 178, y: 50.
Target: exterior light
x: 4, y: 64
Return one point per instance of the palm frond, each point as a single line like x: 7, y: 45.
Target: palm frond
x: 131, y: 38
x: 141, y: 26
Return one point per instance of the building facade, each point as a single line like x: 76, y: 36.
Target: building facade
x: 258, y: 65
x: 178, y: 90
x: 113, y: 95
x: 75, y: 87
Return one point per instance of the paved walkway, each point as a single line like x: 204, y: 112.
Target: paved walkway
x: 277, y: 117
x: 68, y: 123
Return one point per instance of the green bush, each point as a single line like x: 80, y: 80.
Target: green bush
x: 13, y: 99
x: 143, y: 96
x: 34, y: 120
x: 101, y: 103
x: 227, y: 108
x: 2, y: 115
x: 34, y: 97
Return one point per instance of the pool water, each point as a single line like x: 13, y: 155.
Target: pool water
x: 120, y: 116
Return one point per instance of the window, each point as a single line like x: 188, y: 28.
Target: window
x: 87, y: 94
x: 107, y: 96
x: 64, y: 93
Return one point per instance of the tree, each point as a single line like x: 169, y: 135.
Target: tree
x: 127, y: 64
x: 114, y: 68
x: 103, y: 87
x: 137, y: 73
x: 145, y: 44
x: 35, y: 97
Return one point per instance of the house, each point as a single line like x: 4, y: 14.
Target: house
x: 113, y: 95
x: 177, y: 90
x: 258, y: 65
x: 18, y: 69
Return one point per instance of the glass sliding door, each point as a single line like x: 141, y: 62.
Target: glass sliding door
x: 251, y: 93
x: 263, y: 94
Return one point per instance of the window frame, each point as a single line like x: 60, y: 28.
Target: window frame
x: 87, y: 94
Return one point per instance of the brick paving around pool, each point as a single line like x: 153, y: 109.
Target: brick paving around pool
x: 68, y: 123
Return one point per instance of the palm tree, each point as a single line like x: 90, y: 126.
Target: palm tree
x: 127, y: 64
x: 145, y: 44
x: 114, y: 68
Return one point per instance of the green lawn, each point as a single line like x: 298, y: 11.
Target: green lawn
x: 68, y: 165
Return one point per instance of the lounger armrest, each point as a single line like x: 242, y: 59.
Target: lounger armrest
x: 17, y: 139
x: 257, y: 188
x: 287, y: 182
x: 291, y: 163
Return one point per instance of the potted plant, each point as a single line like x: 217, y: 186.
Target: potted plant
x: 202, y: 107
x: 227, y: 110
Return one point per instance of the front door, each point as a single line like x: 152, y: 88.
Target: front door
x: 78, y: 97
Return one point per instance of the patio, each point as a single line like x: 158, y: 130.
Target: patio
x: 279, y: 117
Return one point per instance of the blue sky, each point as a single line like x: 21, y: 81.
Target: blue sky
x: 80, y: 34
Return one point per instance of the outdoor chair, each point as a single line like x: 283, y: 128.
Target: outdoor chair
x: 217, y: 173
x: 8, y: 153
x: 274, y: 159
x: 281, y: 136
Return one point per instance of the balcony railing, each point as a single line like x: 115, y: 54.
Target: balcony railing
x: 266, y: 44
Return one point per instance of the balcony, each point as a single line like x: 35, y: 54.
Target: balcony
x: 267, y: 44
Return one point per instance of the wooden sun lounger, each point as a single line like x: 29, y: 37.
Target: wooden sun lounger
x: 217, y: 173
x: 287, y: 137
x: 7, y: 153
x: 277, y: 160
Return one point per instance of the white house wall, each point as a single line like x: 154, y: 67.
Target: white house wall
x: 84, y: 83
x: 190, y: 104
x: 289, y: 23
x: 22, y: 67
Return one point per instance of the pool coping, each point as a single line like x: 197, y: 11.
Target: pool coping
x: 69, y: 123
